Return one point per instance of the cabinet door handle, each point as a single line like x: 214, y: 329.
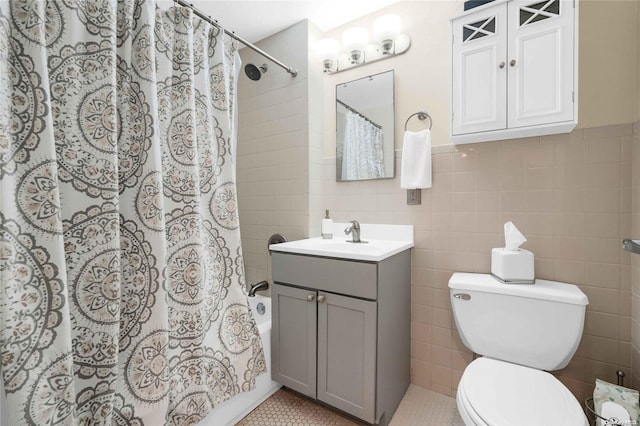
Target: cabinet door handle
x: 321, y: 298
x: 310, y: 298
x: 501, y: 65
x: 512, y: 63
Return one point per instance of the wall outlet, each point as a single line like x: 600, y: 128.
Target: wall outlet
x: 414, y: 197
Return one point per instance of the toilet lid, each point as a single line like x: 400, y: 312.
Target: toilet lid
x: 502, y: 393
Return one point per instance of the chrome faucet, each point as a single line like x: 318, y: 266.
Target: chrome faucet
x: 262, y: 285
x: 354, y: 230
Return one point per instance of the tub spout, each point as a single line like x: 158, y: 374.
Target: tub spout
x: 262, y: 285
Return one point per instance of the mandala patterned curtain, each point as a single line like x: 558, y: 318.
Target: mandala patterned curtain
x: 362, y: 152
x: 122, y: 293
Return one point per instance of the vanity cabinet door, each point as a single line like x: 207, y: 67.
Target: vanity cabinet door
x: 293, y: 338
x: 347, y: 354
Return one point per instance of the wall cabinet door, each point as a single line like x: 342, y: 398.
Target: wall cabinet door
x: 514, y: 71
x: 347, y: 354
x: 540, y: 56
x: 480, y: 72
x: 293, y: 335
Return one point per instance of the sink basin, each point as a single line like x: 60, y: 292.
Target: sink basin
x: 379, y: 245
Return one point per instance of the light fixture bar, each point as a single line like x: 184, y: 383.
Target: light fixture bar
x: 356, y: 49
x: 401, y: 45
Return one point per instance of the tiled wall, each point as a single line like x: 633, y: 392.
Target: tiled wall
x: 273, y: 149
x: 635, y: 264
x: 571, y: 197
x: 635, y: 260
x: 316, y: 134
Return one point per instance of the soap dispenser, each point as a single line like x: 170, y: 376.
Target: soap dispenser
x: 327, y: 226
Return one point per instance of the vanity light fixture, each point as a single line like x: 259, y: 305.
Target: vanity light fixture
x: 356, y: 50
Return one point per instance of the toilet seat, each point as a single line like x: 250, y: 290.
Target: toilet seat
x: 498, y: 393
x: 468, y: 414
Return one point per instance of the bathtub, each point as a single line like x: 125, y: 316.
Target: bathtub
x: 230, y: 412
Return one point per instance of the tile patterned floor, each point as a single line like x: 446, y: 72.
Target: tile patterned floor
x: 286, y: 408
x: 422, y: 407
x: 419, y: 407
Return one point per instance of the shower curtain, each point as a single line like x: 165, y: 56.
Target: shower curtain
x: 362, y: 152
x: 122, y: 294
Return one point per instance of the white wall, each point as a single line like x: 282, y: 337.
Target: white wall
x: 608, y: 62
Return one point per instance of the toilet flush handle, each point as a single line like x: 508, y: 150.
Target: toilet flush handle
x: 463, y: 296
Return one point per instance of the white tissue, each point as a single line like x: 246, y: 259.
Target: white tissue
x: 611, y: 410
x: 513, y: 238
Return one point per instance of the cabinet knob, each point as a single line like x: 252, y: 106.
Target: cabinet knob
x: 310, y: 297
x: 321, y: 298
x: 501, y: 65
x: 512, y: 63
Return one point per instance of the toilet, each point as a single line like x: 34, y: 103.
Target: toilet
x: 521, y: 332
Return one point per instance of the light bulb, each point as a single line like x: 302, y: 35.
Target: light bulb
x: 327, y: 50
x: 386, y: 29
x: 354, y: 41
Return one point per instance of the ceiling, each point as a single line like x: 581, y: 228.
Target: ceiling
x: 255, y: 20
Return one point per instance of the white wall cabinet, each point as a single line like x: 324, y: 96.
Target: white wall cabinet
x: 514, y: 68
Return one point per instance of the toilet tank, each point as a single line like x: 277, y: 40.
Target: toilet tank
x: 537, y: 325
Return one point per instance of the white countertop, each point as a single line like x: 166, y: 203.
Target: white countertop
x: 383, y: 241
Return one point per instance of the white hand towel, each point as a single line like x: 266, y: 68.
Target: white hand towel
x: 416, y: 160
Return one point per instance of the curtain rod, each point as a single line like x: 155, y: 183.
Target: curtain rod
x: 359, y: 113
x: 256, y: 49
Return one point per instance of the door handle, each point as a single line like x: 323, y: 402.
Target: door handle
x: 321, y: 298
x: 501, y: 65
x: 310, y: 298
x: 512, y: 63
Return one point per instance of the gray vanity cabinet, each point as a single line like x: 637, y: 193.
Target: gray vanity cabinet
x: 336, y: 347
x: 341, y: 331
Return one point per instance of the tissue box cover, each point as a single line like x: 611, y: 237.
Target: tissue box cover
x: 513, y: 265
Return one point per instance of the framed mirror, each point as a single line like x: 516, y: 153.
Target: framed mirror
x: 365, y: 128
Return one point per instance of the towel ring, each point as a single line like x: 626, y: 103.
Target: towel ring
x: 422, y: 115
